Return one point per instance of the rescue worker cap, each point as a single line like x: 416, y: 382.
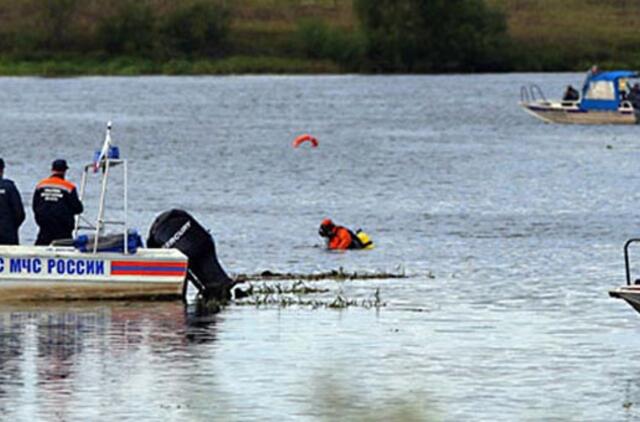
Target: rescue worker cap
x: 1, y: 164
x: 59, y: 165
x: 327, y: 222
x: 326, y: 228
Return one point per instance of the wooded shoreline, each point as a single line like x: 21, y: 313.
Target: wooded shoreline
x: 218, y: 37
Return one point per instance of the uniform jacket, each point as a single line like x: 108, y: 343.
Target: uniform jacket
x: 55, y: 203
x: 11, y: 212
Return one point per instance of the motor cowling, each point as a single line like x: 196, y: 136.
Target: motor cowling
x: 178, y: 229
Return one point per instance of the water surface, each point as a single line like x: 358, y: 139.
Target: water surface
x: 510, y: 232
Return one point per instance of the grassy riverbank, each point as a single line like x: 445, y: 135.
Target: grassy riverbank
x: 75, y: 37
x: 133, y: 66
x: 573, y: 34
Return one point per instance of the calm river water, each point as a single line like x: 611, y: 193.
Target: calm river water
x: 509, y: 230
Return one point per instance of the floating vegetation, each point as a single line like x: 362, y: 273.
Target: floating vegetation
x: 339, y: 274
x: 340, y: 302
x: 286, y: 300
x: 299, y: 287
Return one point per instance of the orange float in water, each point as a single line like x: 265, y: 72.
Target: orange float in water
x: 305, y: 138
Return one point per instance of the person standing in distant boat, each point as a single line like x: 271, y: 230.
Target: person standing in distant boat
x: 593, y: 71
x: 11, y: 210
x: 571, y: 94
x: 634, y: 96
x: 55, y: 203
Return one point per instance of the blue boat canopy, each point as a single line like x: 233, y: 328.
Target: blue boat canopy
x: 613, y: 75
x: 603, y: 90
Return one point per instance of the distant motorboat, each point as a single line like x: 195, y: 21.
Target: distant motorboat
x: 605, y: 98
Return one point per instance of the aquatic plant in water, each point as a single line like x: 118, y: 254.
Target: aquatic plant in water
x: 285, y: 296
x: 339, y: 274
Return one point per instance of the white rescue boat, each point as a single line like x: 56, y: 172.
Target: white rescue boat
x: 93, y: 266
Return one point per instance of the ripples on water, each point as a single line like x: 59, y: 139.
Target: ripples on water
x: 521, y: 223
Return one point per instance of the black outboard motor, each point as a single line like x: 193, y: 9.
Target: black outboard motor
x: 178, y: 229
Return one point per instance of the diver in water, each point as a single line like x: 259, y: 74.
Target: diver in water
x: 341, y: 238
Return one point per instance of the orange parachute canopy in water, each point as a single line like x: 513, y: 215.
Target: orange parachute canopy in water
x: 305, y: 138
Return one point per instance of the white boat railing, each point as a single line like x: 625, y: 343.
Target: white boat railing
x: 627, y: 264
x: 531, y: 93
x: 103, y: 163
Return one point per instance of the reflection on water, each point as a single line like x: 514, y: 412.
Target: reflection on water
x: 55, y: 357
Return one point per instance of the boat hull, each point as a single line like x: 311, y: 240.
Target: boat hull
x: 553, y: 113
x: 54, y: 273
x: 630, y: 294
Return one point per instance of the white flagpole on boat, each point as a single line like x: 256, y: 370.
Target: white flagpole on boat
x: 104, y: 152
x: 104, y: 156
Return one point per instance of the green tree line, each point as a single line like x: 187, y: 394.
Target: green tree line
x: 118, y: 27
x: 389, y: 35
x: 433, y: 35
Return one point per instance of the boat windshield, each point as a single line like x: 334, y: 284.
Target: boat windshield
x: 600, y: 90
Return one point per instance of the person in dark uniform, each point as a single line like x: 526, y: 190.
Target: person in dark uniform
x: 634, y: 96
x: 571, y: 94
x: 11, y: 210
x: 55, y: 203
